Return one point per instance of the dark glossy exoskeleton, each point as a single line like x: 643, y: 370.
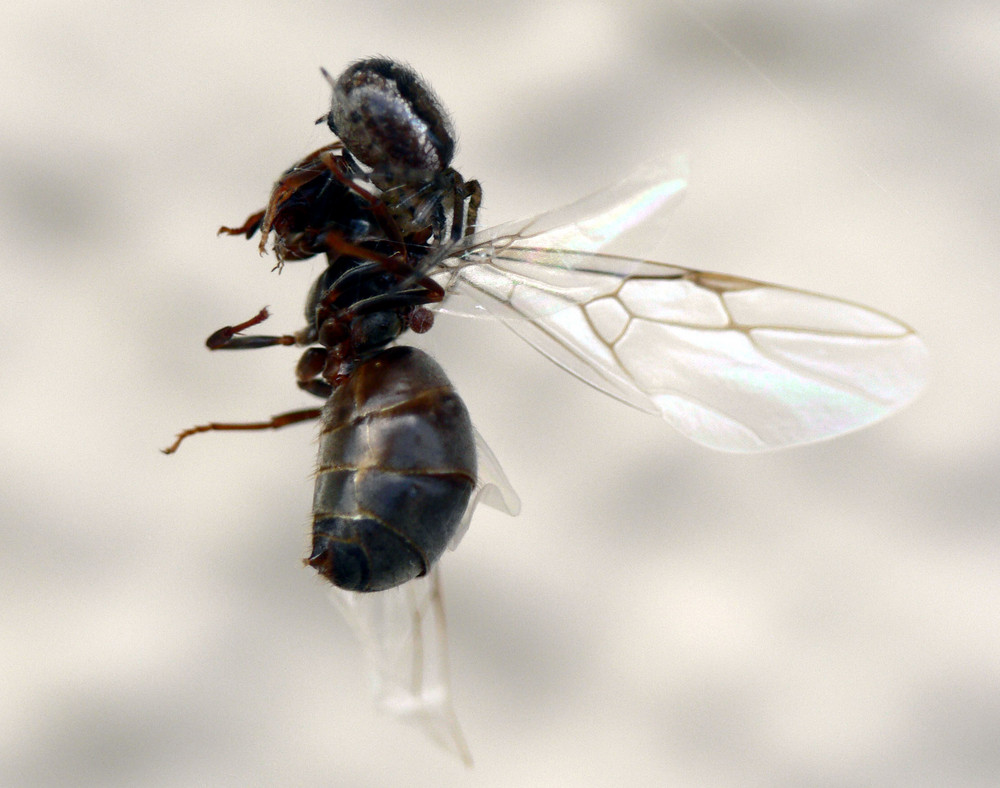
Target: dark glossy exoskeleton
x: 315, y: 208
x: 387, y: 183
x: 397, y: 465
x: 397, y: 458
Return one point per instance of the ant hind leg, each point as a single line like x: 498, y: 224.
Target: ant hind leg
x: 275, y: 422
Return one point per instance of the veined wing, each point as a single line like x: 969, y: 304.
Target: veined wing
x: 734, y: 364
x: 405, y: 639
x: 647, y: 196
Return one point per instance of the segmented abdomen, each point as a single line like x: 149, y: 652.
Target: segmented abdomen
x: 397, y: 465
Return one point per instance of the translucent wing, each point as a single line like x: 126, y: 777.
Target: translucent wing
x: 643, y: 199
x: 734, y: 364
x: 492, y: 488
x: 404, y: 635
x: 405, y: 641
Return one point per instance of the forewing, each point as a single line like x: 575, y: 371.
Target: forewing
x: 645, y: 198
x: 403, y: 633
x: 734, y: 364
x: 643, y: 201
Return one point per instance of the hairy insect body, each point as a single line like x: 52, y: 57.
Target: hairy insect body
x: 397, y: 465
x: 391, y: 121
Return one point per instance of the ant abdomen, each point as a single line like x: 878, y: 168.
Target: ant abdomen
x: 396, y: 469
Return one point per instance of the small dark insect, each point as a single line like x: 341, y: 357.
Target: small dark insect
x: 397, y: 458
x: 733, y: 363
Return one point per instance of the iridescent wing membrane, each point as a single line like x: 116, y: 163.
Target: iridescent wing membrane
x: 732, y: 363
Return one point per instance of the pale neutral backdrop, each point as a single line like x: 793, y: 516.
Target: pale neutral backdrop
x: 659, y: 613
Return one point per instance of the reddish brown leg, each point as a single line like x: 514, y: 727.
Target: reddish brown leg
x: 276, y: 422
x: 336, y: 243
x: 340, y: 246
x: 248, y: 228
x: 421, y: 291
x: 400, y: 268
x: 225, y: 338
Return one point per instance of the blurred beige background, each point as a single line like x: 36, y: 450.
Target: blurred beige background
x: 659, y: 612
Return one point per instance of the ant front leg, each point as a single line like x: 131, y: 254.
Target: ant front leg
x: 300, y: 174
x: 413, y: 287
x: 248, y: 228
x: 275, y: 422
x: 413, y: 292
x: 225, y: 338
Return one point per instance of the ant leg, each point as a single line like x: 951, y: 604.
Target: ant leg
x: 248, y: 228
x: 339, y: 245
x: 474, y: 192
x: 418, y: 292
x: 463, y: 222
x: 276, y: 422
x: 404, y: 273
x: 385, y: 302
x: 308, y: 371
x: 336, y: 243
x: 282, y: 191
x: 300, y: 173
x: 225, y: 338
